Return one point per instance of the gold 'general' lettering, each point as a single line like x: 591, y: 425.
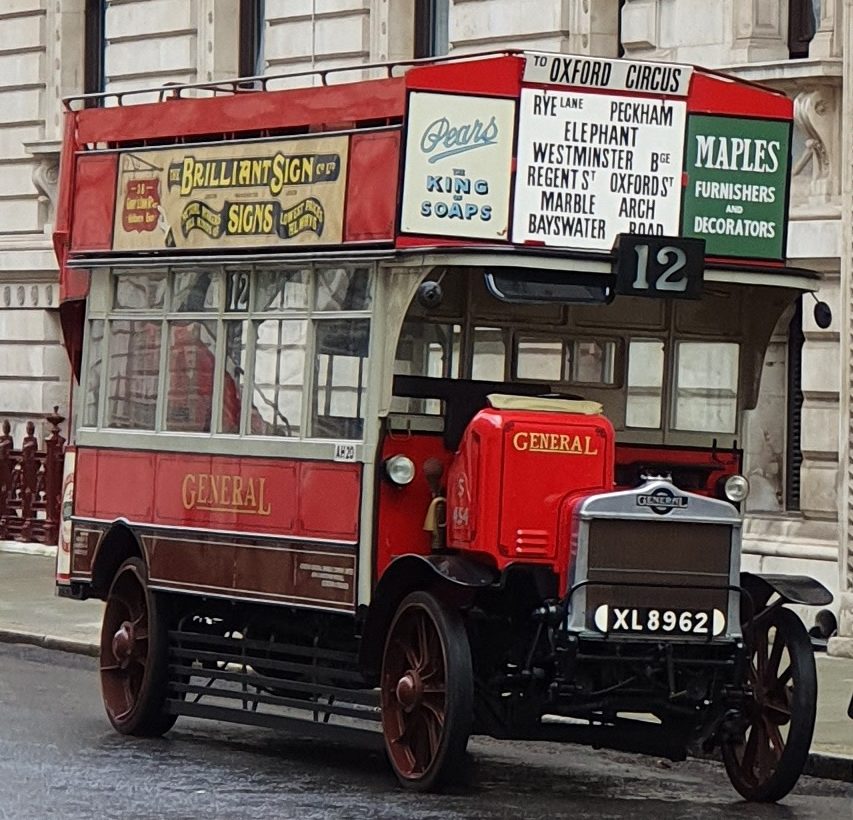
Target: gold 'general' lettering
x: 225, y: 493
x: 533, y: 442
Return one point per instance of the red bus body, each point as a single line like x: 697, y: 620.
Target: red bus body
x: 293, y: 546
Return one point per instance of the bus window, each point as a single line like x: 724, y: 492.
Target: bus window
x: 279, y: 369
x: 340, y: 369
x: 489, y: 362
x: 134, y: 373
x: 706, y: 386
x: 343, y: 289
x: 282, y: 289
x: 540, y: 359
x: 139, y: 291
x: 426, y: 349
x: 234, y: 364
x: 593, y: 362
x: 645, y: 383
x: 195, y: 291
x: 92, y: 396
x: 192, y: 352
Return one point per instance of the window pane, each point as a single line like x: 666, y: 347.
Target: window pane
x: 195, y: 291
x: 278, y: 377
x: 593, y: 362
x: 706, y: 386
x: 134, y: 373
x: 489, y: 362
x: 645, y: 383
x: 341, y: 374
x: 344, y: 289
x: 236, y: 334
x: 282, y: 289
x: 192, y: 352
x: 539, y: 360
x: 426, y: 350
x: 140, y: 291
x: 92, y: 396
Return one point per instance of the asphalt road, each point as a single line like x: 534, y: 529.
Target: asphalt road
x: 59, y: 758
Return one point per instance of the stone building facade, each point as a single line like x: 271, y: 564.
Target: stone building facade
x: 799, y: 439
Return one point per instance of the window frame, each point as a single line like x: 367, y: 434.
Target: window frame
x: 101, y: 307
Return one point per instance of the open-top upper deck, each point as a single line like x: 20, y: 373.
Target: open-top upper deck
x: 537, y: 160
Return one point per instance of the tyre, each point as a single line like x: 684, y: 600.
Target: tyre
x: 133, y: 656
x: 426, y: 693
x: 765, y: 764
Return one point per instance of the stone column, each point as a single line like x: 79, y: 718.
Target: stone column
x: 760, y: 30
x: 593, y: 27
x: 827, y: 39
x: 843, y: 644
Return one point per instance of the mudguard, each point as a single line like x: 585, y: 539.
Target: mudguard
x: 407, y: 574
x: 793, y: 589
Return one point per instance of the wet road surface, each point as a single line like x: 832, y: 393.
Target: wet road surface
x: 59, y: 758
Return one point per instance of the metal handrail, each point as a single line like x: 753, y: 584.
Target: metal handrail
x: 261, y: 82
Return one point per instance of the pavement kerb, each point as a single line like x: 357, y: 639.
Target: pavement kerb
x: 49, y: 642
x: 830, y: 766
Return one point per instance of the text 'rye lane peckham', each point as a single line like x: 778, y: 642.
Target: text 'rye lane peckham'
x: 565, y: 172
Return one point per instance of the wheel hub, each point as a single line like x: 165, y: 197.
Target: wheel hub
x: 410, y: 689
x: 124, y: 642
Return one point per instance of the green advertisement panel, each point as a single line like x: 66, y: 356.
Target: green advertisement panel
x: 736, y: 195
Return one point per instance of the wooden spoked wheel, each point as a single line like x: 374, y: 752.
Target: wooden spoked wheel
x: 427, y: 693
x: 133, y: 655
x: 766, y: 763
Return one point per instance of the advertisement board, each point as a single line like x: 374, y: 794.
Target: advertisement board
x: 737, y: 176
x: 591, y: 166
x: 276, y: 192
x: 458, y: 166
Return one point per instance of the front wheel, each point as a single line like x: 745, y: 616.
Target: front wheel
x: 426, y: 692
x: 765, y: 764
x: 134, y: 663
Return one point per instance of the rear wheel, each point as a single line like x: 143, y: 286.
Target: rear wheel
x: 767, y: 762
x: 427, y: 693
x: 134, y: 665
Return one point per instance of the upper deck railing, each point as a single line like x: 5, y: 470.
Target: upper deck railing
x: 267, y: 82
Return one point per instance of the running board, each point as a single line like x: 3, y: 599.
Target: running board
x: 266, y: 683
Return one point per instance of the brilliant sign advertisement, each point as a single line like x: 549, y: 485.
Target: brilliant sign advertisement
x: 737, y: 172
x: 591, y: 166
x: 458, y: 166
x: 265, y: 193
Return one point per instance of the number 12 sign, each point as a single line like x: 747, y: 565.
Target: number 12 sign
x: 660, y: 267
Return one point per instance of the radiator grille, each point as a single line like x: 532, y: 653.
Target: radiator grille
x: 658, y: 563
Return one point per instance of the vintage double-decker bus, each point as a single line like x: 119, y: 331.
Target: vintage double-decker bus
x: 416, y: 401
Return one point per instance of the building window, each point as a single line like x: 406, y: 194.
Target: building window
x: 432, y: 37
x: 94, y: 47
x: 251, y: 38
x: 803, y: 16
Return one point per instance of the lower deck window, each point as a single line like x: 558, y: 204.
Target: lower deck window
x: 262, y: 350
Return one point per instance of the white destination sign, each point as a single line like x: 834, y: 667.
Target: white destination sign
x: 612, y: 75
x: 458, y: 166
x: 591, y: 166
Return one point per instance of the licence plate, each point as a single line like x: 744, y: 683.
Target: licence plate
x: 652, y: 621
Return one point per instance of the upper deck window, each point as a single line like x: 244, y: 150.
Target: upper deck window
x: 254, y: 350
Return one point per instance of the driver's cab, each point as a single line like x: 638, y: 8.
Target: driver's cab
x: 673, y: 377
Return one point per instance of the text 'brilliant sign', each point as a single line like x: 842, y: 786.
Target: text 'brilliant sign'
x: 283, y: 192
x: 592, y: 166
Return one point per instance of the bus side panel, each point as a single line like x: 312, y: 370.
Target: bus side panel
x: 267, y: 529
x: 402, y: 510
x: 94, y: 201
x: 374, y: 161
